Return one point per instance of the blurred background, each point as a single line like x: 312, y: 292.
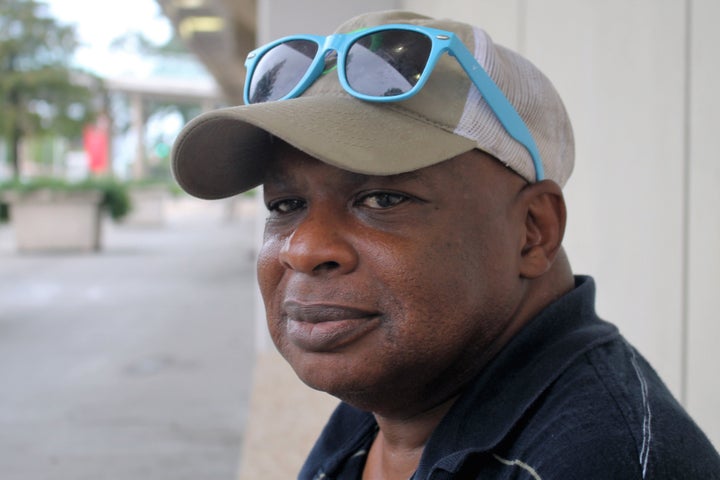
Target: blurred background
x: 132, y: 342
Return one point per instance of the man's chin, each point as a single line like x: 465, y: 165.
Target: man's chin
x: 354, y: 388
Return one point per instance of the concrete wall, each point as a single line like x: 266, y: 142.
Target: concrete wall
x: 702, y: 218
x: 637, y: 77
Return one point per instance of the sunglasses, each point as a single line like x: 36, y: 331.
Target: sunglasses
x: 387, y: 63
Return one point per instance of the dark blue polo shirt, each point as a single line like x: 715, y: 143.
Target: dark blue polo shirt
x: 567, y: 398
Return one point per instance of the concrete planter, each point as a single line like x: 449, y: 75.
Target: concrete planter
x: 46, y: 220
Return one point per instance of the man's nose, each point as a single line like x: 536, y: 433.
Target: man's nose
x: 319, y: 245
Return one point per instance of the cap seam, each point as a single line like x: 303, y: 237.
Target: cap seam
x: 422, y: 118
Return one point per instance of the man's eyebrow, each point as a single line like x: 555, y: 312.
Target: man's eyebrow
x: 360, y: 179
x: 413, y: 175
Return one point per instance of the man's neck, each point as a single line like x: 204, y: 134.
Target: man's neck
x: 399, y: 444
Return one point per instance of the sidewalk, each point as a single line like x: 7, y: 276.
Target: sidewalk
x: 132, y: 363
x: 284, y: 420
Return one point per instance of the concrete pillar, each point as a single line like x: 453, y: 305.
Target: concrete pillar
x: 138, y: 126
x: 207, y: 105
x: 703, y: 221
x: 277, y: 18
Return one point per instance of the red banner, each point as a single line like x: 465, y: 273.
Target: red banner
x: 96, y: 140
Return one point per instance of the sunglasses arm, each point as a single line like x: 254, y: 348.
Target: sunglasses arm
x: 498, y: 103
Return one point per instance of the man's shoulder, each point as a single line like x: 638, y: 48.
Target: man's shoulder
x: 608, y: 415
x: 568, y: 397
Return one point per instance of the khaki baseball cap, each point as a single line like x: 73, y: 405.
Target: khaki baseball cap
x: 224, y: 152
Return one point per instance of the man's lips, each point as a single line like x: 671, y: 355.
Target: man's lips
x: 319, y: 312
x: 326, y: 327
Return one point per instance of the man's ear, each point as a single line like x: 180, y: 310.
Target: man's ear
x: 545, y: 217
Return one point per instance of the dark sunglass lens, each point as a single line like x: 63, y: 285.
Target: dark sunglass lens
x: 280, y: 70
x: 387, y: 63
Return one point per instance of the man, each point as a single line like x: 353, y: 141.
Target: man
x: 412, y: 263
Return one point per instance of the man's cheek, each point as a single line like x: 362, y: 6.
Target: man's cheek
x: 269, y: 269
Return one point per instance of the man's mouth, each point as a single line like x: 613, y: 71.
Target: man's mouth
x: 321, y: 327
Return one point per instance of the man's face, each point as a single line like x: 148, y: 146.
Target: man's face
x: 390, y: 292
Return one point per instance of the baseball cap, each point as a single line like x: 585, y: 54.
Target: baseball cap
x: 223, y: 152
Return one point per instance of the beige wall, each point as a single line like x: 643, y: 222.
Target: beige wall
x: 638, y: 79
x: 703, y: 219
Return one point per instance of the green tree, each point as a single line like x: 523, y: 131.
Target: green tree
x: 39, y: 92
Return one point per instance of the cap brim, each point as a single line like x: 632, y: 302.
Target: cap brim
x: 224, y: 152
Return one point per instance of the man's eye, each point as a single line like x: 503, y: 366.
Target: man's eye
x: 286, y: 205
x: 382, y: 200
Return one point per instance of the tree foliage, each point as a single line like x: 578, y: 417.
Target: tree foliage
x: 39, y: 91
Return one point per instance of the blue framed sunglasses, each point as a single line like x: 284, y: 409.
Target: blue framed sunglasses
x: 387, y: 63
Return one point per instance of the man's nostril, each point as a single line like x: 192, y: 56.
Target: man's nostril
x: 326, y: 266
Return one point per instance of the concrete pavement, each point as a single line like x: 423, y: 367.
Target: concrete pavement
x: 134, y: 362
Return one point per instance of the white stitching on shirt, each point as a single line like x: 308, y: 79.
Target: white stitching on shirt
x: 518, y: 463
x: 647, y: 416
x: 360, y: 453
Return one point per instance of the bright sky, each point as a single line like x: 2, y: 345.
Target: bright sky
x: 99, y: 22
